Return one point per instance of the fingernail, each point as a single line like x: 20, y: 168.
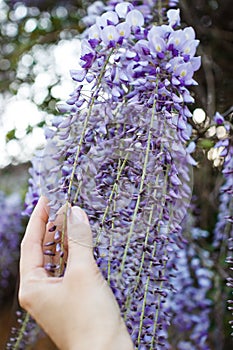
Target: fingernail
x: 78, y: 215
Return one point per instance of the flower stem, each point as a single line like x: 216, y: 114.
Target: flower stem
x: 64, y: 228
x: 61, y: 260
x: 113, y: 192
x: 110, y: 244
x: 148, y: 278
x: 160, y: 12
x: 21, y: 332
x: 129, y: 297
x: 140, y: 188
x: 93, y: 98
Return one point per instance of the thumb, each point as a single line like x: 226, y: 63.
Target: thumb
x: 80, y: 242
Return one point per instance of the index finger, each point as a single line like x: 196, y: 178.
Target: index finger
x: 31, y: 247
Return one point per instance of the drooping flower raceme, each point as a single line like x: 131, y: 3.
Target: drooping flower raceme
x: 189, y: 306
x: 10, y: 231
x: 224, y: 226
x: 120, y: 152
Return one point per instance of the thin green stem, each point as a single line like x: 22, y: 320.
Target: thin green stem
x: 111, y: 243
x: 21, y: 332
x: 85, y: 124
x: 130, y: 296
x: 161, y: 286
x: 140, y: 188
x: 113, y: 192
x: 77, y: 192
x: 147, y: 237
x: 61, y: 262
x: 160, y: 12
x: 64, y: 228
x: 150, y: 266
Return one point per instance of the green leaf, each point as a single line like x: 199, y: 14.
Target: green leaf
x: 205, y: 144
x: 11, y: 135
x: 29, y: 129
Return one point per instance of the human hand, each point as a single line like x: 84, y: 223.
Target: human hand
x: 78, y: 311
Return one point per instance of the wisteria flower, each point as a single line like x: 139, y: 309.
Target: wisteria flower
x: 120, y: 153
x: 173, y: 17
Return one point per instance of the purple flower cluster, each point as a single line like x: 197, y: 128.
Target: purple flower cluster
x: 35, y: 186
x: 121, y: 153
x: 10, y: 230
x: 153, y: 11
x: 190, y: 306
x: 142, y: 63
x: 224, y: 226
x: 26, y: 334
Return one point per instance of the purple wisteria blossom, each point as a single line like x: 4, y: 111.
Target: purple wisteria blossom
x: 122, y: 151
x: 189, y: 305
x: 223, y: 232
x: 26, y: 334
x: 10, y: 231
x: 153, y: 11
x: 34, y: 188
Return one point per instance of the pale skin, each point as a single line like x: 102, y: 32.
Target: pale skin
x: 78, y: 311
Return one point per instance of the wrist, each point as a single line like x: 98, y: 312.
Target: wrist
x: 119, y: 340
